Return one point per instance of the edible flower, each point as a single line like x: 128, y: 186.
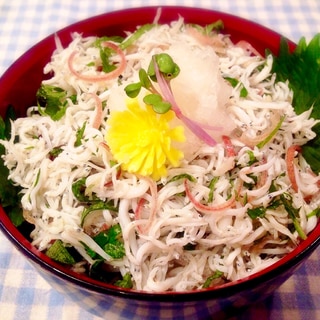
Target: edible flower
x: 163, y: 69
x: 142, y: 141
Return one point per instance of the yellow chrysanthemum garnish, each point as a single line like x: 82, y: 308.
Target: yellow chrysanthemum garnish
x: 141, y: 140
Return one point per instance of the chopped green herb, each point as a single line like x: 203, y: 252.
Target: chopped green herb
x: 315, y: 212
x: 78, y: 190
x: 79, y: 135
x: 98, y: 205
x: 91, y: 64
x: 112, y: 235
x: 210, y: 28
x: 91, y: 252
x: 10, y: 197
x: 15, y: 212
x: 183, y: 176
x: 99, y: 41
x: 125, y: 282
x: 136, y: 35
x: 258, y: 212
x: 251, y: 185
x: 218, y: 274
x: 59, y: 253
x: 106, y: 52
x: 252, y: 158
x: 276, y: 203
x: 234, y: 82
x: 115, y: 250
x: 52, y: 101
x: 272, y: 134
x: 111, y: 242
x: 293, y: 214
x: 243, y: 91
x: 212, y: 184
x: 55, y: 152
x: 37, y: 178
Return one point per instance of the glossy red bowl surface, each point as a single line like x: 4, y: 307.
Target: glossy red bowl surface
x: 18, y: 88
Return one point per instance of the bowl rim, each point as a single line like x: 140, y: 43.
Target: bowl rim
x: 294, y: 258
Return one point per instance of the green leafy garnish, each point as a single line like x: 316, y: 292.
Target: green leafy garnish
x: 157, y: 102
x: 302, y: 68
x: 235, y: 82
x: 136, y: 35
x: 252, y: 158
x: 93, y: 202
x: 111, y: 241
x: 212, y: 184
x: 133, y: 89
x: 209, y: 28
x: 52, y: 101
x: 293, y: 213
x: 78, y: 190
x: 284, y: 200
x: 37, y: 178
x: 98, y: 205
x: 10, y: 197
x: 253, y: 183
x: 272, y: 134
x: 258, y: 212
x: 166, y: 65
x: 315, y: 212
x: 55, y: 152
x: 218, y: 274
x: 145, y: 82
x: 60, y: 253
x: 183, y: 176
x: 79, y: 135
x: 168, y: 68
x: 106, y: 52
x: 125, y: 282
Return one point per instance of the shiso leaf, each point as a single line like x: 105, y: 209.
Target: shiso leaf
x: 59, y: 253
x: 302, y: 69
x: 10, y: 197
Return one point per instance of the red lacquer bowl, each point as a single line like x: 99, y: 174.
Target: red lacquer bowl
x: 18, y: 88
